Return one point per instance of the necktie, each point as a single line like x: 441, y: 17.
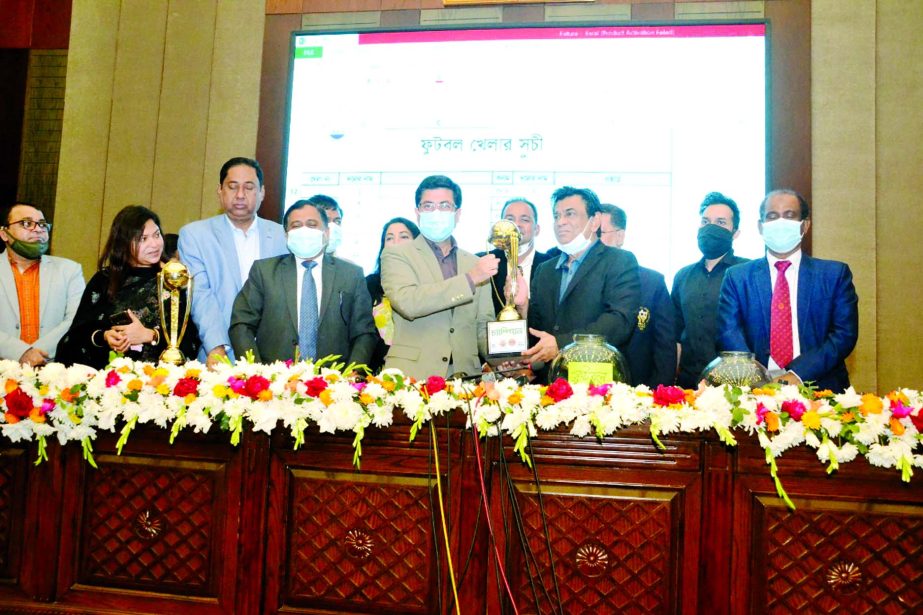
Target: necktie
x: 780, y: 333
x: 307, y: 318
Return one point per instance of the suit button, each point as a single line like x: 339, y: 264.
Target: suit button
x: 452, y: 330
x: 445, y: 359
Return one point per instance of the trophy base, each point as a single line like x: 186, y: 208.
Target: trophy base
x: 173, y: 356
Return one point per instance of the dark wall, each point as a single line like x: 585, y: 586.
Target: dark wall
x: 14, y: 65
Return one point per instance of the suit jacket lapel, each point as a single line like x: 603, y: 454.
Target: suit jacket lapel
x: 266, y: 239
x: 805, y: 290
x: 429, y: 258
x: 290, y: 287
x: 589, y: 261
x: 328, y: 281
x: 8, y: 284
x: 45, y: 271
x: 227, y: 248
x: 763, y: 283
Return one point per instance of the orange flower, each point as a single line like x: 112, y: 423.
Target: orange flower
x: 264, y: 395
x: 898, y: 396
x: 67, y: 396
x: 847, y: 417
x: 135, y: 384
x: 37, y: 416
x: 331, y: 378
x: 155, y: 381
x: 366, y: 399
x: 193, y: 373
x: 690, y: 397
x: 11, y: 385
x: 897, y: 427
x: 387, y: 385
x: 811, y: 419
x: 772, y: 421
x: 148, y: 370
x: 515, y: 398
x: 761, y: 391
x: 11, y: 418
x: 479, y: 390
x: 325, y: 397
x: 871, y: 404
x: 825, y: 393
x: 546, y: 401
x: 189, y: 398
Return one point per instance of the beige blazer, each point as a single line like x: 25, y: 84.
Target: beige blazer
x: 436, y: 321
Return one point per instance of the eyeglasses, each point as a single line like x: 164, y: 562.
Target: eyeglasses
x: 441, y: 206
x: 28, y: 224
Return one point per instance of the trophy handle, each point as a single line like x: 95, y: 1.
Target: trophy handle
x: 163, y: 323
x: 182, y: 331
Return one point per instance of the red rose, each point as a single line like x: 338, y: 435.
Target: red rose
x: 19, y: 404
x: 112, y: 378
x: 559, y: 390
x: 917, y: 420
x: 186, y: 386
x: 794, y: 408
x: 434, y: 384
x: 668, y: 396
x: 254, y: 386
x: 315, y: 386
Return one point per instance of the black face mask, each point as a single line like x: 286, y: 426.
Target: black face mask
x: 714, y: 240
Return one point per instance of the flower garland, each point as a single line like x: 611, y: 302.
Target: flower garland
x: 73, y: 404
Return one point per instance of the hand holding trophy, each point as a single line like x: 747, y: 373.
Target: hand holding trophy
x: 174, y: 277
x: 508, y: 336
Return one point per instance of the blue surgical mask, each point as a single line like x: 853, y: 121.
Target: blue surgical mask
x: 336, y: 236
x: 305, y: 242
x: 437, y: 225
x: 782, y: 235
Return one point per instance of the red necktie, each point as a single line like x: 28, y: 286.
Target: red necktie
x: 780, y: 323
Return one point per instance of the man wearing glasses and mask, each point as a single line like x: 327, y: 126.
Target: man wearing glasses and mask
x: 40, y: 292
x: 439, y: 293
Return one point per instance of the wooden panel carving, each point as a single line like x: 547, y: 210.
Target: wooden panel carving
x: 149, y: 527
x: 614, y: 550
x: 359, y: 541
x: 12, y: 472
x: 852, y: 559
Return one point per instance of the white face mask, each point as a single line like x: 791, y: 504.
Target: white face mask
x: 336, y: 236
x: 437, y: 225
x: 305, y: 242
x: 576, y: 245
x: 525, y: 247
x: 782, y: 235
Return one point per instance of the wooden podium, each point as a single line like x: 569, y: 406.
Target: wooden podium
x: 204, y: 527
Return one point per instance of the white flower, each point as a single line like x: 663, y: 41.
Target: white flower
x: 848, y: 398
x: 581, y: 427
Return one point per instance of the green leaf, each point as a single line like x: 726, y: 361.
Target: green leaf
x: 123, y: 438
x: 178, y: 424
x: 88, y: 452
x: 42, y: 451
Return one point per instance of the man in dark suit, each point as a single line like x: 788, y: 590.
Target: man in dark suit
x: 589, y: 288
x: 306, y: 299
x: 651, y: 351
x: 798, y: 314
x: 524, y: 215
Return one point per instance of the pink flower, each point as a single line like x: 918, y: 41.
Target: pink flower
x: 668, y: 396
x: 236, y: 385
x: 289, y: 362
x: 559, y: 390
x: 112, y: 378
x: 899, y: 410
x: 359, y: 386
x: 601, y: 390
x: 434, y: 384
x: 47, y: 406
x: 794, y: 408
x: 761, y: 412
x: 315, y: 386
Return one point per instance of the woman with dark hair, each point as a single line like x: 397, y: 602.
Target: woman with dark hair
x: 395, y: 231
x: 120, y: 308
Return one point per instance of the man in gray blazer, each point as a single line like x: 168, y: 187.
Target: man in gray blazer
x: 306, y: 300
x: 440, y: 294
x: 40, y: 292
x: 219, y: 252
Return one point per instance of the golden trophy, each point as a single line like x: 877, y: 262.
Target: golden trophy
x: 508, y: 336
x: 174, y: 277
